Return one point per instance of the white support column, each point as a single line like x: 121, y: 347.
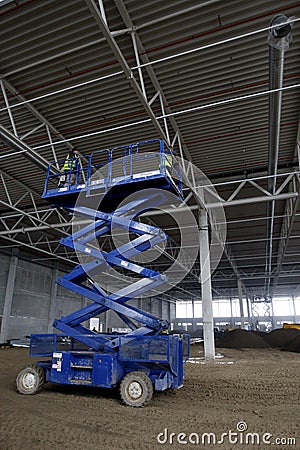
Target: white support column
x: 140, y: 303
x: 53, y: 299
x: 169, y: 316
x: 193, y: 315
x: 103, y: 322
x: 240, y: 290
x: 205, y: 278
x: 104, y: 317
x: 160, y: 307
x: 272, y: 314
x: 10, y: 285
x: 84, y: 302
x: 232, y: 323
x: 249, y: 311
x: 294, y: 309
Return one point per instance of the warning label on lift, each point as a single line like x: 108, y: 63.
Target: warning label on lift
x: 57, y: 365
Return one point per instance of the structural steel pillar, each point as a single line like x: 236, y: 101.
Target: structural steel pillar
x: 294, y: 309
x: 272, y: 318
x: 8, y: 298
x: 240, y: 290
x: 160, y: 308
x: 232, y: 323
x: 205, y: 278
x: 249, y: 312
x: 105, y: 321
x: 53, y: 300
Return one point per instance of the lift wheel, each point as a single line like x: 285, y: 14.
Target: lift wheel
x: 30, y: 380
x: 136, y: 389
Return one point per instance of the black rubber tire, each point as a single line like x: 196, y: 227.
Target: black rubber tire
x: 30, y: 380
x: 136, y: 389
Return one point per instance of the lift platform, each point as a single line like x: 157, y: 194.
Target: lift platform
x: 120, y: 170
x: 145, y: 358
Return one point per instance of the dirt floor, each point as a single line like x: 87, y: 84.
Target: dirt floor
x: 257, y: 389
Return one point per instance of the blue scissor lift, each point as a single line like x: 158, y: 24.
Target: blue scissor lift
x: 145, y: 358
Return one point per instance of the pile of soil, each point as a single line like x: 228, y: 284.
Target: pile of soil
x: 287, y: 339
x: 259, y: 333
x: 241, y: 339
x: 280, y: 337
x: 196, y: 334
x: 293, y: 345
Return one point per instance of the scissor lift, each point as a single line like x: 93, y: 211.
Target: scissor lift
x: 145, y: 358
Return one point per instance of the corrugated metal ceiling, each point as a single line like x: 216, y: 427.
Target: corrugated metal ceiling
x: 49, y: 46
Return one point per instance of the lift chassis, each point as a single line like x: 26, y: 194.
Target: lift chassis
x: 144, y: 359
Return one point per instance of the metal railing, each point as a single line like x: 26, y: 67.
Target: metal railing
x: 112, y: 166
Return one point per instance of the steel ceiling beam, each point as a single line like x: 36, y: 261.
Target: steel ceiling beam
x: 19, y: 183
x: 114, y: 33
x: 35, y: 219
x: 125, y: 67
x: 33, y: 110
x: 177, y: 13
x: 162, y: 116
x: 239, y: 202
x: 247, y: 201
x: 35, y: 248
x: 150, y: 71
x: 17, y: 144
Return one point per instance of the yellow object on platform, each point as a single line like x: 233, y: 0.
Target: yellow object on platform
x: 291, y: 325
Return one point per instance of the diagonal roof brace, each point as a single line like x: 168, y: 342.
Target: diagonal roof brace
x: 149, y: 69
x: 123, y: 63
x: 17, y: 144
x: 33, y: 110
x: 5, y: 174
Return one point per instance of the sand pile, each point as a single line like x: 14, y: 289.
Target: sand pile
x: 241, y: 339
x: 281, y: 337
x: 293, y: 345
